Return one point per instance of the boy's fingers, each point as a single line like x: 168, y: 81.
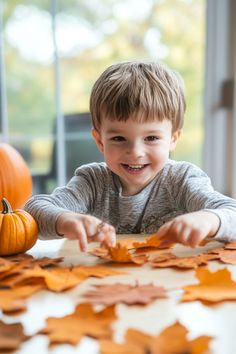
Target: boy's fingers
x: 162, y: 232
x: 82, y: 240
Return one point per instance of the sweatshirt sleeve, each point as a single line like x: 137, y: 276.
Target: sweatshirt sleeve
x: 45, y: 209
x: 196, y: 192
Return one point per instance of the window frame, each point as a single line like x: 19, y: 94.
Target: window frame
x: 219, y: 155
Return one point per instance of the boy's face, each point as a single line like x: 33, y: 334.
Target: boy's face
x: 134, y: 151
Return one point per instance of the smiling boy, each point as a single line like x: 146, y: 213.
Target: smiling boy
x: 137, y: 113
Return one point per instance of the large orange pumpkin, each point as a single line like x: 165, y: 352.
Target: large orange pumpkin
x: 15, y: 178
x: 18, y: 230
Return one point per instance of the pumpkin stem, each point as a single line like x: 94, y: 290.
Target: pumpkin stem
x: 7, y: 209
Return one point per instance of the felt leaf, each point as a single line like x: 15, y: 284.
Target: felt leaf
x: 95, y: 271
x: 152, y: 241
x: 14, y: 300
x: 110, y: 347
x: 172, y: 340
x: 128, y: 294
x: 170, y: 260
x: 230, y: 246
x: 5, y: 265
x: 127, y: 242
x: 119, y: 254
x: 213, y: 287
x: 20, y: 263
x: 83, y: 322
x: 224, y: 255
x: 11, y: 336
x: 56, y: 279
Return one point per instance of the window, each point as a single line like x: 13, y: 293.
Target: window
x: 49, y: 70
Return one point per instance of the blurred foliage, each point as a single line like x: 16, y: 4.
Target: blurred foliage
x: 169, y: 30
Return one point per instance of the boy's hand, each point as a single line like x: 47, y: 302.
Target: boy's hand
x: 189, y: 229
x: 85, y: 228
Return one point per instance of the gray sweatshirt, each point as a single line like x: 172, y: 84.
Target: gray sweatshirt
x: 179, y: 188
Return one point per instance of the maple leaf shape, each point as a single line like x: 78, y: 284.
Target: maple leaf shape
x: 95, y: 271
x: 11, y: 336
x: 14, y: 301
x: 213, y: 287
x: 170, y: 260
x: 171, y: 340
x: 125, y: 293
x: 119, y: 254
x: 83, y: 322
x: 56, y: 279
x: 224, y: 255
x: 152, y: 242
x: 5, y: 265
x: 127, y: 242
x: 230, y: 246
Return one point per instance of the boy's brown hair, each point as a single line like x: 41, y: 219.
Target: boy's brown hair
x: 139, y: 90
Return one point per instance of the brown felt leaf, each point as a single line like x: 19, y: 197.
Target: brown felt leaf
x: 170, y: 260
x: 111, y: 294
x: 213, y: 287
x: 11, y: 336
x: 171, y: 340
x: 83, y: 322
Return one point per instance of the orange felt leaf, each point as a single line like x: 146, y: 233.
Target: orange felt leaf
x: 55, y: 279
x: 213, y: 287
x: 83, y: 322
x: 5, y: 265
x: 111, y: 294
x: 108, y: 347
x: 171, y: 340
x: 119, y: 254
x: 127, y: 242
x: 11, y: 336
x: 224, y: 255
x: 95, y: 271
x: 230, y: 246
x: 14, y: 300
x: 170, y: 260
x: 152, y: 241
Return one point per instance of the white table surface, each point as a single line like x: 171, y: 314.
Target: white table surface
x: 218, y: 321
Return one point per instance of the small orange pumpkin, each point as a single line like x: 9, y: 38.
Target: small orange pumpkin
x: 15, y: 178
x: 18, y: 230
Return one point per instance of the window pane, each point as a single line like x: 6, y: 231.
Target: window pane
x: 29, y: 80
x: 91, y: 35
x: 94, y: 34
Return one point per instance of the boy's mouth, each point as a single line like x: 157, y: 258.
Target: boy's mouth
x: 134, y: 168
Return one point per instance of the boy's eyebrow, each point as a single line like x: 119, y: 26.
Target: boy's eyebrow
x: 113, y: 131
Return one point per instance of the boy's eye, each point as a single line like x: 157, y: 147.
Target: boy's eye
x: 152, y: 138
x: 118, y: 138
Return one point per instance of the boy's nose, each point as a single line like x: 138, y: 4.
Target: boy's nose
x: 135, y: 149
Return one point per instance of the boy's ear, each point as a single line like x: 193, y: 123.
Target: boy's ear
x: 98, y: 139
x: 174, y: 139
